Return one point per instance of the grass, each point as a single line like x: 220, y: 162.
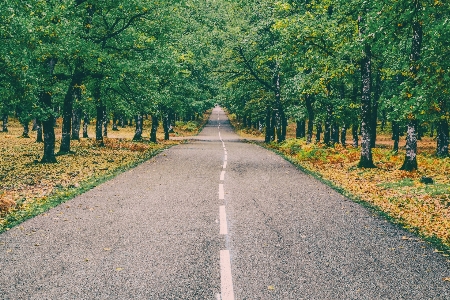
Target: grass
x: 29, y: 188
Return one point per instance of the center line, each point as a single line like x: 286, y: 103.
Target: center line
x: 223, y: 220
x: 222, y: 176
x: 226, y: 282
x: 226, y: 157
x: 225, y: 164
x: 221, y: 192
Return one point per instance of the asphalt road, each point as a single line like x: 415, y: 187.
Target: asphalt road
x: 216, y: 219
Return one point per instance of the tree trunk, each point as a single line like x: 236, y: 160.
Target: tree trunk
x: 442, y: 138
x: 355, y: 137
x: 26, y: 130
x: 335, y: 133
x: 76, y: 124
x: 366, y: 160
x: 274, y: 124
x: 318, y: 131
x: 383, y: 119
x: 281, y: 135
x: 105, y: 122
x: 85, y: 125
x: 419, y: 131
x: 166, y: 126
x: 280, y: 119
x: 344, y: 135
x: 308, y: 101
x: 139, y: 128
x: 39, y: 138
x: 395, y: 135
x: 99, y: 124
x: 67, y: 116
x: 300, y: 130
x: 376, y: 99
x: 5, y: 123
x: 267, y: 125
x: 49, y: 130
x: 35, y: 125
x: 410, y: 163
x: 114, y: 124
x: 155, y: 124
x: 328, y: 120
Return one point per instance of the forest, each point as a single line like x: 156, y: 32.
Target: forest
x: 329, y: 66
x: 337, y: 71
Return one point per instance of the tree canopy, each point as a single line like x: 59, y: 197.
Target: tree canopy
x: 327, y: 65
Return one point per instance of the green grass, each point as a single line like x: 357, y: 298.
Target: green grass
x: 406, y: 182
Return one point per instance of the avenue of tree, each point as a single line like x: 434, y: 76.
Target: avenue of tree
x: 330, y: 66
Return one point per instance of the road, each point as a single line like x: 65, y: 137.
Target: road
x: 216, y: 218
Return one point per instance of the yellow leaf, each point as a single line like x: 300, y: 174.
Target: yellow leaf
x: 271, y: 288
x: 446, y: 279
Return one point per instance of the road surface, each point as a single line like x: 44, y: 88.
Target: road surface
x: 216, y: 219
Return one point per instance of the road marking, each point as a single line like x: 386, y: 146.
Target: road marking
x: 224, y: 164
x: 223, y: 220
x: 226, y: 281
x: 218, y: 297
x: 222, y: 176
x: 226, y: 157
x: 221, y: 192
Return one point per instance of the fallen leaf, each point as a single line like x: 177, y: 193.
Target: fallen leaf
x: 446, y: 279
x: 271, y: 288
x: 119, y: 269
x: 107, y: 249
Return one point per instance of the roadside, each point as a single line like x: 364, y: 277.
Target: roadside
x: 400, y: 196
x: 28, y: 188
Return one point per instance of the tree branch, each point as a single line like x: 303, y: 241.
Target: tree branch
x: 253, y: 73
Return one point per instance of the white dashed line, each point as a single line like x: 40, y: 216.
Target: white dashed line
x: 222, y: 176
x: 223, y: 220
x: 221, y: 192
x: 226, y: 157
x: 224, y: 164
x: 226, y: 282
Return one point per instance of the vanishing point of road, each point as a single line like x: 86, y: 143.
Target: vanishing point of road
x: 216, y: 218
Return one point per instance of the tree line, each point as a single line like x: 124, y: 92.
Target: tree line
x: 331, y: 66
x: 334, y: 66
x: 80, y: 60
